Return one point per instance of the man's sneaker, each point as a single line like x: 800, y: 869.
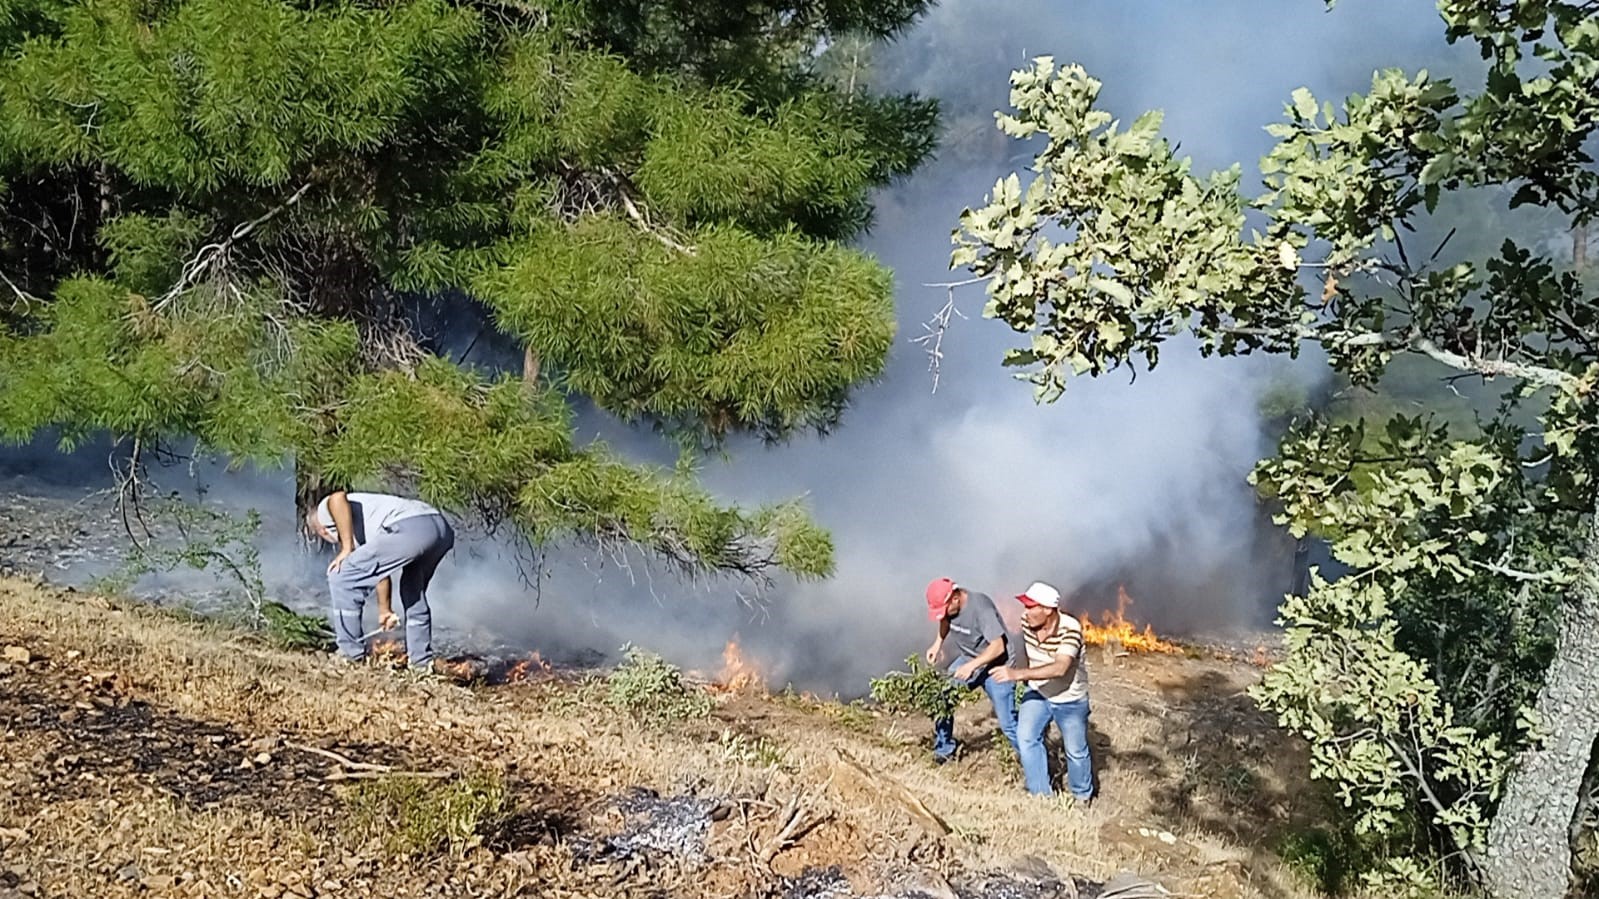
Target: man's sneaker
x: 942, y: 759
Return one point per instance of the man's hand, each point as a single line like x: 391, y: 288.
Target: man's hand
x: 966, y: 671
x: 388, y: 620
x: 932, y: 652
x: 1004, y: 674
x: 338, y: 560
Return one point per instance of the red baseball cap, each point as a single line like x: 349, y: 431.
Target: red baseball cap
x: 938, y: 594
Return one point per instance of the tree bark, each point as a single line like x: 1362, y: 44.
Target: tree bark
x: 1529, y: 849
x: 530, y: 369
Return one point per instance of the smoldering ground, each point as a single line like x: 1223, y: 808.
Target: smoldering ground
x: 1123, y: 481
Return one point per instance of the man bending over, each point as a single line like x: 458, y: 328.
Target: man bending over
x: 380, y: 536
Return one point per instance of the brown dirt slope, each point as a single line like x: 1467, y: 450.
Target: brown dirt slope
x: 144, y: 755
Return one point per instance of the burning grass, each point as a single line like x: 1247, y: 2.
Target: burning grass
x: 738, y: 674
x: 1115, y: 628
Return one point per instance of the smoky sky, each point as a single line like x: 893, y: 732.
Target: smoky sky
x: 1132, y: 481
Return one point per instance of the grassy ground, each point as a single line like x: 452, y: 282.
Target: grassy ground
x: 147, y: 755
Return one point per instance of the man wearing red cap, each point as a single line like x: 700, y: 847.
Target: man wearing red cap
x: 1056, y: 690
x: 971, y: 623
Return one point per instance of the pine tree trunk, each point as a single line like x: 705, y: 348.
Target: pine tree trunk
x: 1529, y: 849
x: 530, y: 370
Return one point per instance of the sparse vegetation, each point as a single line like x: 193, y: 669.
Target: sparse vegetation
x: 231, y: 714
x: 414, y: 816
x: 752, y: 750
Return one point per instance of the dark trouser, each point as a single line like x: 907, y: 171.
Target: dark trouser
x: 1003, y: 696
x: 411, y: 546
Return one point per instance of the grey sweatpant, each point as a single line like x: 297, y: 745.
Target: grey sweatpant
x: 413, y: 547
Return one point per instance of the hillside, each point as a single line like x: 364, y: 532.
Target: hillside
x: 149, y: 755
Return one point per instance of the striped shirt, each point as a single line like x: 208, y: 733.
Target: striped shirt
x: 1065, y: 643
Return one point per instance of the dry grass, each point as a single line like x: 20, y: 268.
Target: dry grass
x: 1177, y: 748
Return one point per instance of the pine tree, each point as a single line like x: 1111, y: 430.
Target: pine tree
x: 221, y: 216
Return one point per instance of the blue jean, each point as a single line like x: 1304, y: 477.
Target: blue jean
x: 1003, y: 696
x: 1072, y: 719
x: 413, y: 547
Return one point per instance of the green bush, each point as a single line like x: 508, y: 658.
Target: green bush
x: 924, y: 689
x: 652, y: 689
x: 289, y: 629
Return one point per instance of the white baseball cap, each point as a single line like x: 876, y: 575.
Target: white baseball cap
x: 1040, y: 594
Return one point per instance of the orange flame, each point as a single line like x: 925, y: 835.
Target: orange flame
x: 1115, y: 626
x: 1262, y: 658
x: 525, y: 668
x: 738, y: 673
x: 461, y: 671
x: 388, y: 651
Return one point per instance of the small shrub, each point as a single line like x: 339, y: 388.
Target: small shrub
x: 652, y: 689
x: 924, y: 689
x: 1009, y: 761
x: 753, y: 751
x: 414, y: 816
x: 288, y: 629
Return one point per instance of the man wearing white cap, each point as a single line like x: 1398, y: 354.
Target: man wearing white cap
x: 1057, y: 690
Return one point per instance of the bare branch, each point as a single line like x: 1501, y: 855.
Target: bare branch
x: 212, y: 254
x: 1516, y: 574
x: 644, y: 223
x: 1535, y: 374
x: 933, y: 340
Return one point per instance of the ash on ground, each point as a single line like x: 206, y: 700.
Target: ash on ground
x: 830, y: 883
x: 674, y: 825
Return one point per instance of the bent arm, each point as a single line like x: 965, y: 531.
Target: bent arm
x: 343, y: 520
x: 994, y: 649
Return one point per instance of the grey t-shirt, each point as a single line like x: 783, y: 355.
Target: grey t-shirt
x: 373, y: 512
x: 977, y: 624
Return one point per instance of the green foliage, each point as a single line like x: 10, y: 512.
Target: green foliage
x: 1335, y: 859
x: 417, y: 817
x: 233, y: 204
x: 291, y: 630
x: 724, y: 337
x: 1413, y: 675
x: 923, y: 689
x: 652, y: 690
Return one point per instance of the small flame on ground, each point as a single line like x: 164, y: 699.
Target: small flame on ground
x: 462, y: 671
x: 738, y: 673
x: 1115, y: 626
x: 388, y: 651
x: 523, y: 669
x: 1262, y: 658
